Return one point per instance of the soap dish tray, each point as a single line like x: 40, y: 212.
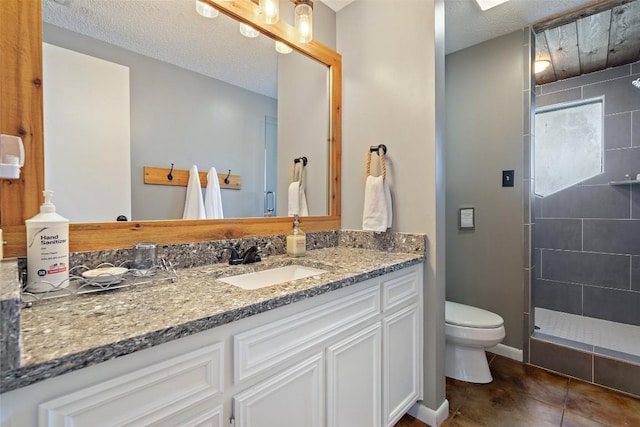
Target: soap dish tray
x: 105, y: 277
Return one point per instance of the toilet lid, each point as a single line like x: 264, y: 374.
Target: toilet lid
x: 471, y: 317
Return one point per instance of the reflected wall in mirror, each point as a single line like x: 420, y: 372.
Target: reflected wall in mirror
x: 181, y: 111
x: 21, y: 114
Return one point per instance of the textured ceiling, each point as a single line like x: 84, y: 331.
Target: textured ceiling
x: 172, y: 31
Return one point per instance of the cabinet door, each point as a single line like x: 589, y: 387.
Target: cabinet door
x: 291, y: 398
x: 353, y: 380
x: 402, y: 362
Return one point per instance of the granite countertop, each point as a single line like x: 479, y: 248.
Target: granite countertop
x: 8, y: 273
x: 62, y: 335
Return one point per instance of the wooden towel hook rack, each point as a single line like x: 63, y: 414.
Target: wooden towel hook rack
x: 180, y: 177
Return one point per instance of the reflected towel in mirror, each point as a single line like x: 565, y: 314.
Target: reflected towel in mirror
x: 194, y: 205
x: 297, y: 200
x: 212, y: 196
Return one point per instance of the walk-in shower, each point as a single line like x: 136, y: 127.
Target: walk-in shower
x: 586, y: 244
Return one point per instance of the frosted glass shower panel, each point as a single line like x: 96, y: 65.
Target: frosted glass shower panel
x: 568, y: 146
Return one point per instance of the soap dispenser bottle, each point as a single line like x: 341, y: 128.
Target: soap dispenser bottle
x: 47, y: 249
x: 297, y: 240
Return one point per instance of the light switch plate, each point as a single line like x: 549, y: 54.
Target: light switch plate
x: 507, y: 178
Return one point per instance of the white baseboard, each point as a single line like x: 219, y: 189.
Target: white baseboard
x: 506, y: 351
x: 428, y: 415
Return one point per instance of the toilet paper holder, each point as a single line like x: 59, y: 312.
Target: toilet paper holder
x: 11, y: 156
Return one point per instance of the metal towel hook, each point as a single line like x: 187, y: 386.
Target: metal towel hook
x: 226, y: 179
x: 303, y: 159
x: 376, y: 149
x: 170, y: 176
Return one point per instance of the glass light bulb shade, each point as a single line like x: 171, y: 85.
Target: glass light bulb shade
x: 540, y: 66
x: 206, y: 9
x: 283, y: 48
x: 248, y: 31
x: 304, y: 22
x: 270, y: 11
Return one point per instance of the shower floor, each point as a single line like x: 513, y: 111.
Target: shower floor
x: 618, y: 340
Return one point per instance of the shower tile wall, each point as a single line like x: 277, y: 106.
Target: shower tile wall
x: 587, y: 237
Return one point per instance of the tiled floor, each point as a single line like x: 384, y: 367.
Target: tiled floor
x: 521, y: 395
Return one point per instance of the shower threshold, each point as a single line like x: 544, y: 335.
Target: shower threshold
x: 612, y: 339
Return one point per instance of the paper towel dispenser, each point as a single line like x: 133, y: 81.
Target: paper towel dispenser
x: 11, y: 156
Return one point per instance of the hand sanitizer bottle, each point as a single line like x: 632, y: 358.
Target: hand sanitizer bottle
x: 297, y: 241
x: 47, y: 249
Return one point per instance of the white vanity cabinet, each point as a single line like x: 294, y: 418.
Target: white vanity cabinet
x: 355, y: 361
x: 340, y: 386
x: 347, y: 358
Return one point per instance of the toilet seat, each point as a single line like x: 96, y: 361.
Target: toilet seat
x: 476, y: 337
x: 471, y: 317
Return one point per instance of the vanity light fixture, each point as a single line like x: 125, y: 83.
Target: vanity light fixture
x: 488, y: 4
x: 248, y: 31
x: 270, y: 10
x: 540, y: 66
x: 206, y: 10
x: 303, y: 13
x: 283, y: 48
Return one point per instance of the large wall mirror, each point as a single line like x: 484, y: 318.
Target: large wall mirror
x: 190, y: 113
x: 201, y: 94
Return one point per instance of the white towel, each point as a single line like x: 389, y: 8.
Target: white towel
x: 377, y: 213
x: 387, y: 198
x: 212, y: 196
x: 297, y: 202
x: 193, y: 204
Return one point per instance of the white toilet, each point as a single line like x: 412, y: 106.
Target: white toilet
x: 469, y: 330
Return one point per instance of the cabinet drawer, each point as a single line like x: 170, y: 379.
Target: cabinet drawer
x: 399, y: 289
x: 176, y: 387
x: 261, y: 348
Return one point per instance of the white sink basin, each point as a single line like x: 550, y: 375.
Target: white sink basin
x: 264, y: 278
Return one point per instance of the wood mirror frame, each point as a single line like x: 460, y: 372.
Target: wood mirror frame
x: 21, y: 113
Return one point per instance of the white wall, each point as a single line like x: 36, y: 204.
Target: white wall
x: 182, y: 117
x: 393, y: 93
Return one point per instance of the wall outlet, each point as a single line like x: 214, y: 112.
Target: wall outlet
x: 507, y: 178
